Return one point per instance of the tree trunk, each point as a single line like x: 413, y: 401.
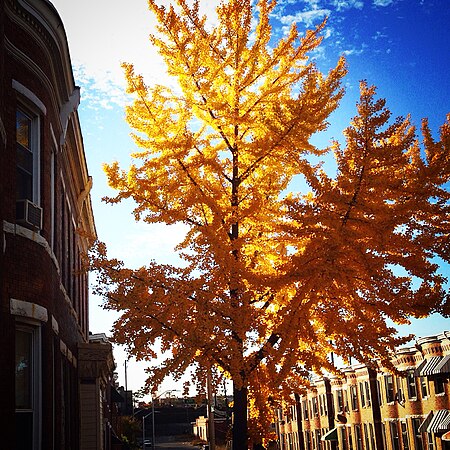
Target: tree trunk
x: 240, y: 426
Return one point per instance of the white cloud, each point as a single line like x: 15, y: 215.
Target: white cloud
x: 379, y: 35
x: 342, y: 5
x: 309, y: 18
x: 103, y: 34
x: 354, y: 51
x: 383, y: 2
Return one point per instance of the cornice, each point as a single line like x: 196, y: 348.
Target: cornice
x: 41, y: 19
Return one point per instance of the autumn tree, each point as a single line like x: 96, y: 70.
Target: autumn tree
x: 272, y: 282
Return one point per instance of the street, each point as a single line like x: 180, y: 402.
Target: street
x: 173, y: 443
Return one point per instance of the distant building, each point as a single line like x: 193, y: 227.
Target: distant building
x: 46, y: 219
x: 372, y: 409
x: 100, y: 401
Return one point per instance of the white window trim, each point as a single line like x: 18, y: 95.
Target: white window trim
x: 53, y: 177
x: 35, y: 148
x: 39, y: 108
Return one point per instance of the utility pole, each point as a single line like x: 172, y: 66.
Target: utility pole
x: 212, y: 432
x: 126, y: 377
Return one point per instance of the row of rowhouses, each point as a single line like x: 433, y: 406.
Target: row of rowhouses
x: 56, y: 385
x: 373, y: 409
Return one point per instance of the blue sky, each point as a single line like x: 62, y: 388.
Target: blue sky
x: 401, y: 46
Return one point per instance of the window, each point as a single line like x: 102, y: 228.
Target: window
x: 27, y: 387
x: 350, y: 439
x: 439, y: 385
x: 307, y: 440
x: 354, y: 397
x: 411, y: 383
x: 305, y: 409
x: 424, y: 386
x: 405, y: 441
x: 431, y: 443
x: 27, y: 156
x: 344, y: 393
x: 389, y: 386
x: 418, y: 440
x: 343, y: 438
x: 399, y: 395
x: 383, y: 433
x: 372, y: 436
x: 380, y: 399
x: 53, y: 206
x: 294, y: 412
x: 358, y: 437
x: 339, y: 401
x: 366, y: 437
x: 367, y: 388
x: 362, y: 394
x: 318, y: 436
x: 394, y: 435
x: 315, y: 409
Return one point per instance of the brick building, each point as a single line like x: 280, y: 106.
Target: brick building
x: 373, y: 409
x: 46, y: 218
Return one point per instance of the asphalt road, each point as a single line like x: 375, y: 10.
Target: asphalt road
x: 172, y: 443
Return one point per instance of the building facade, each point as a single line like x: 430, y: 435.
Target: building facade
x: 47, y: 221
x: 374, y: 409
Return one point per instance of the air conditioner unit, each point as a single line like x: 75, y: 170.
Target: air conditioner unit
x: 28, y: 214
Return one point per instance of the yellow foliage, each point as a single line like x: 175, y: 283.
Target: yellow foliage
x: 273, y: 282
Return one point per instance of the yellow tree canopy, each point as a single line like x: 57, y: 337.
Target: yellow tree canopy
x: 273, y: 282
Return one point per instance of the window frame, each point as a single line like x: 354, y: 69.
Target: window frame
x: 362, y: 394
x: 34, y: 330
x: 354, y: 397
x: 411, y: 385
x: 389, y: 388
x: 405, y: 434
x: 358, y: 437
x: 395, y: 435
x: 368, y: 396
x: 340, y: 400
x: 424, y: 388
x: 32, y: 114
x: 418, y: 437
x: 431, y: 441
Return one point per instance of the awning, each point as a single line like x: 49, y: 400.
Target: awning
x: 443, y: 366
x: 445, y: 424
x: 330, y: 436
x: 424, y: 425
x: 435, y: 423
x: 428, y: 368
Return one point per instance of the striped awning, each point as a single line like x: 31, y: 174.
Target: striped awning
x: 445, y: 424
x: 443, y: 366
x: 435, y: 423
x: 428, y: 368
x: 330, y: 436
x: 424, y: 425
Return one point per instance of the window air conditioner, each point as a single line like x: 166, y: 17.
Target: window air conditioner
x: 27, y: 213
